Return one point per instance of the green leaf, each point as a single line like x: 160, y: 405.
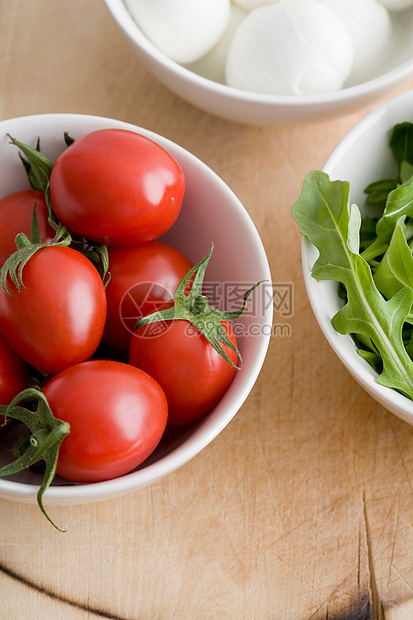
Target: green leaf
x: 378, y: 191
x: 409, y: 347
x: 395, y: 270
x: 406, y: 171
x: 401, y: 143
x: 324, y: 217
x: 399, y: 202
x: 372, y: 358
x: 367, y: 232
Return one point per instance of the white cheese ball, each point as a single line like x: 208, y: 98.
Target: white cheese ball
x: 184, y: 30
x: 248, y: 5
x: 397, y: 5
x: 290, y: 48
x: 212, y: 64
x: 369, y: 24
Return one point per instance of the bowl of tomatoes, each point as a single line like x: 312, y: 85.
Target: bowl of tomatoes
x: 135, y: 307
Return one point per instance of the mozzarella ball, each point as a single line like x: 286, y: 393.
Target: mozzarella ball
x: 290, y: 48
x: 212, y: 64
x: 248, y: 5
x: 184, y: 30
x: 369, y: 24
x: 397, y: 5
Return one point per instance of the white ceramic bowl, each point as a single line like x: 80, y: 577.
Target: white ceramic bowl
x: 210, y: 213
x: 361, y: 157
x: 256, y: 109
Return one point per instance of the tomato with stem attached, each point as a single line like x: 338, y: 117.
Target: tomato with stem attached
x: 141, y: 278
x: 94, y: 421
x: 189, y: 347
x: 55, y: 316
x: 193, y: 375
x: 16, y: 216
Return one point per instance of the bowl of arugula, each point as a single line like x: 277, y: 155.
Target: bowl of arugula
x: 356, y: 218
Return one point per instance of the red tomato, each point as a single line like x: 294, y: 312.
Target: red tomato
x: 192, y: 374
x: 16, y: 217
x: 57, y: 318
x: 117, y: 416
x: 142, y: 277
x: 14, y: 375
x: 116, y: 187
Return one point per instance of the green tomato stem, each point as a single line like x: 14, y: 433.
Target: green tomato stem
x: 42, y: 443
x: 195, y: 308
x: 26, y: 248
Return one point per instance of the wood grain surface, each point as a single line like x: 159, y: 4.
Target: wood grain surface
x: 302, y: 508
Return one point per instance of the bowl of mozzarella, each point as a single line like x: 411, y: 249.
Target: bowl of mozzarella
x: 269, y: 62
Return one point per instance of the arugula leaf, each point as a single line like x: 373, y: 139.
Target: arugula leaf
x: 401, y: 143
x: 326, y: 219
x: 379, y: 190
x: 409, y: 347
x: 373, y: 359
x: 399, y: 202
x: 406, y: 171
x: 395, y: 270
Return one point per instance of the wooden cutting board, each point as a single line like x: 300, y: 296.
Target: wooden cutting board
x: 302, y: 508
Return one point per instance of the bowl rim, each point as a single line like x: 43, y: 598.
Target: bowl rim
x: 359, y: 368
x: 98, y: 491
x: 127, y: 24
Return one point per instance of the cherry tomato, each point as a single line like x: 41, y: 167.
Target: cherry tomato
x: 192, y: 374
x: 117, y: 416
x: 142, y: 277
x: 16, y: 217
x: 116, y: 187
x: 58, y: 316
x: 14, y: 375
